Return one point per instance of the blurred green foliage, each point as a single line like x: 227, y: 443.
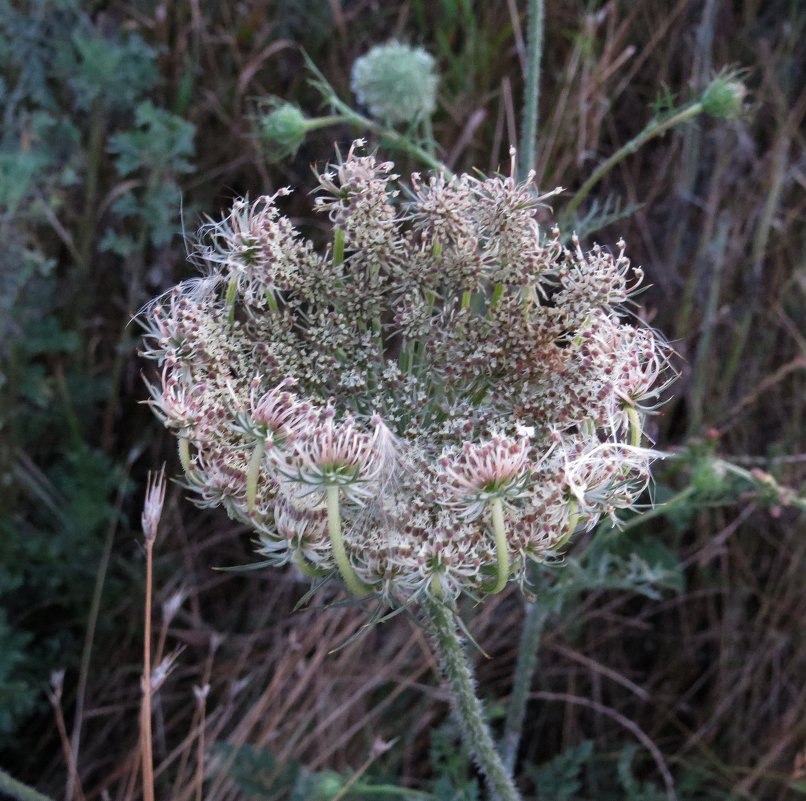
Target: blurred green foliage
x: 158, y: 147
x: 88, y: 162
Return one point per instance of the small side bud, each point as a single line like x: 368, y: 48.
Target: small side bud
x: 723, y: 97
x: 283, y: 128
x: 708, y: 477
x: 327, y: 785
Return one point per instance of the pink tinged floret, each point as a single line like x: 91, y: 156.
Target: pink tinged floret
x: 280, y: 414
x: 299, y: 525
x: 451, y: 556
x: 215, y: 481
x: 176, y: 404
x: 328, y: 453
x: 606, y: 476
x: 303, y: 531
x: 479, y: 472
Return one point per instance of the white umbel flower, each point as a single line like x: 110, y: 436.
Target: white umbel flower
x: 441, y: 395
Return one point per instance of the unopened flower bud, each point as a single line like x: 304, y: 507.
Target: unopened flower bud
x: 396, y: 82
x: 283, y: 128
x: 723, y: 97
x: 708, y: 477
x: 327, y: 785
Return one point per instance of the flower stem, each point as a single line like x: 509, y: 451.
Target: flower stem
x: 345, y: 114
x: 531, y: 92
x: 653, y: 129
x: 526, y: 664
x: 354, y: 584
x: 184, y: 454
x: 315, y: 123
x: 394, y: 139
x: 231, y: 297
x: 525, y: 667
x: 338, y: 247
x: 146, y: 746
x: 467, y: 707
x: 253, y: 473
x: 501, y: 552
x: 573, y: 520
x: 306, y: 569
x: 498, y: 293
x: 635, y: 426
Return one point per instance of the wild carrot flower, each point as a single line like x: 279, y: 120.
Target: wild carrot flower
x: 440, y: 395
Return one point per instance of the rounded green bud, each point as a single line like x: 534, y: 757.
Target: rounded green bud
x: 723, y: 97
x: 708, y: 477
x: 284, y: 128
x: 396, y: 82
x: 326, y: 785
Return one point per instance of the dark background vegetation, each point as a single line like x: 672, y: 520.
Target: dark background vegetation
x: 116, y: 117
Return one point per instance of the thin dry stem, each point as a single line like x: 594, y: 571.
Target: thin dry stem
x: 146, y: 747
x: 55, y: 698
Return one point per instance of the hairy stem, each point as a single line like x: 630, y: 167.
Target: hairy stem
x: 525, y: 667
x: 354, y: 584
x: 467, y: 707
x: 531, y: 94
x: 653, y: 129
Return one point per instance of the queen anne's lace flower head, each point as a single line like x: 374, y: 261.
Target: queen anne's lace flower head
x: 441, y: 395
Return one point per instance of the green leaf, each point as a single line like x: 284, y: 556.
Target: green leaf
x: 115, y: 70
x: 161, y: 142
x: 560, y: 779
